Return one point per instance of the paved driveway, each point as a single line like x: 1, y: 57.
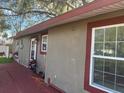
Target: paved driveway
x: 15, y: 78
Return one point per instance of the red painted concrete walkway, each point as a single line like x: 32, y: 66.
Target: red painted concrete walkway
x: 15, y: 78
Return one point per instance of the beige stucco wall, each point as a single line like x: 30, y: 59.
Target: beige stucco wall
x: 66, y: 54
x: 66, y: 57
x: 24, y: 51
x: 14, y: 43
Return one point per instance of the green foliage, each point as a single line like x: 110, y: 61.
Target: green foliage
x: 5, y: 35
x: 4, y: 60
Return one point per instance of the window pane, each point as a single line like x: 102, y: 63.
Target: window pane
x: 110, y: 66
x: 110, y: 34
x: 98, y: 77
x: 44, y: 46
x: 99, y: 35
x: 44, y: 43
x: 98, y: 64
x: 98, y: 49
x: 109, y: 49
x: 32, y: 54
x: 120, y: 68
x: 120, y: 84
x: 120, y: 33
x: 44, y: 39
x: 120, y: 49
x: 109, y: 80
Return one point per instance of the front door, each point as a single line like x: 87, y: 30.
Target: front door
x: 33, y: 49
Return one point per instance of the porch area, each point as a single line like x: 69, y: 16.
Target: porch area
x: 15, y: 78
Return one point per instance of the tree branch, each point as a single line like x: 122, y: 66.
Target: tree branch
x: 15, y: 13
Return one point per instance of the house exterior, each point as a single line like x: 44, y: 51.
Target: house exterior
x: 80, y: 51
x: 5, y: 47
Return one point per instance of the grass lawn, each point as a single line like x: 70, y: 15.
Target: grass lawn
x: 5, y: 60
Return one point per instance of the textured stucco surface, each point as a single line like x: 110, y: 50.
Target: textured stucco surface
x: 66, y: 57
x: 24, y: 51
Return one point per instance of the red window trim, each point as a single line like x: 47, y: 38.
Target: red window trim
x: 41, y: 52
x: 105, y: 22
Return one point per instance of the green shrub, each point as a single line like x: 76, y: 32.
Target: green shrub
x: 5, y: 60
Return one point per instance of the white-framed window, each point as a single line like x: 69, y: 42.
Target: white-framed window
x: 107, y: 58
x: 44, y: 43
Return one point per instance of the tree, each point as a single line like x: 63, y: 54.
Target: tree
x: 18, y: 13
x: 3, y: 25
x: 47, y: 7
x: 5, y: 35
